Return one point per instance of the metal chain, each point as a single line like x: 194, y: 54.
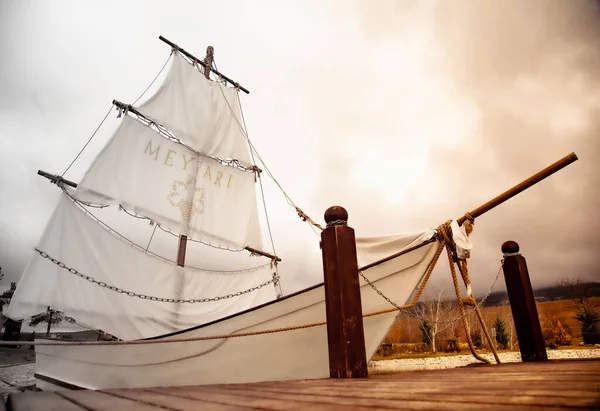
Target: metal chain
x: 164, y: 132
x: 147, y: 297
x: 337, y: 222
x: 406, y: 310
x: 377, y: 290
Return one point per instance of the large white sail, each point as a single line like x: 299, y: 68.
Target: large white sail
x: 85, y: 248
x: 186, y: 192
x: 202, y: 113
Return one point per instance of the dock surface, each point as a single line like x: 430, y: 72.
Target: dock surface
x: 555, y: 384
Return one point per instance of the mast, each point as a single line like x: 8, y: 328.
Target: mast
x: 181, y: 250
x: 201, y: 62
x: 208, y: 61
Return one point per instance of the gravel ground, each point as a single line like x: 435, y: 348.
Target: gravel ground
x: 435, y: 363
x: 16, y: 370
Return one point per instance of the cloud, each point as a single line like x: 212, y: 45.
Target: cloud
x: 408, y: 114
x: 484, y: 94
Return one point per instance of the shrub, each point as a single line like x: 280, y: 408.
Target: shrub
x: 451, y: 345
x: 425, y: 328
x: 561, y: 337
x: 476, y: 338
x: 501, y: 334
x: 589, y: 318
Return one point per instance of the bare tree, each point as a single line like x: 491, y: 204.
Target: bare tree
x: 435, y: 313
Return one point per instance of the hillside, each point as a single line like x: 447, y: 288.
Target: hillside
x: 552, y: 293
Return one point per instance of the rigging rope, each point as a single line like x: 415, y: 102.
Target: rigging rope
x: 155, y: 78
x: 88, y: 142
x: 446, y: 233
x: 277, y: 283
x: 106, y: 116
x: 152, y: 236
x: 253, y: 151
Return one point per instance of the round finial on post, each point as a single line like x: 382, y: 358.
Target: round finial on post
x: 336, y: 215
x: 510, y: 247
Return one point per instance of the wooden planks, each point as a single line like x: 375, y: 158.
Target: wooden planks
x: 558, y: 384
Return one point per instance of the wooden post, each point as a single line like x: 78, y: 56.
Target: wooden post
x: 345, y: 333
x: 522, y: 304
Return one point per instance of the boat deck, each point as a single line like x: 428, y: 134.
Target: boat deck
x: 556, y: 384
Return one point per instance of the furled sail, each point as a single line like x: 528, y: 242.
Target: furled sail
x: 81, y: 248
x: 185, y: 165
x: 165, y: 181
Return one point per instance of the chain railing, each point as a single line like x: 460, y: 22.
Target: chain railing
x: 407, y: 311
x: 152, y: 298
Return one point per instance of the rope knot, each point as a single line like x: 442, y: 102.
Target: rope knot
x: 469, y: 223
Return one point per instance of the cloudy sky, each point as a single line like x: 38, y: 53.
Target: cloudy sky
x: 406, y: 113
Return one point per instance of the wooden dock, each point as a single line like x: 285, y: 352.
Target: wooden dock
x: 557, y: 384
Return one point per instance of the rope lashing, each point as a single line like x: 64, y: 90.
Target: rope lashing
x: 306, y: 218
x: 446, y: 233
x: 469, y: 223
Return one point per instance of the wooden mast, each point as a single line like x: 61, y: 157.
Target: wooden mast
x: 201, y: 62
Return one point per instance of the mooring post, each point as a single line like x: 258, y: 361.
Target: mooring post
x: 522, y: 304
x: 345, y: 333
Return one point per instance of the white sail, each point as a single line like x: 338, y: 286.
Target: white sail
x: 202, y: 113
x: 188, y: 193
x: 80, y: 243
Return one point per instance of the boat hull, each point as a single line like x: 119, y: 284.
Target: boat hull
x: 286, y: 355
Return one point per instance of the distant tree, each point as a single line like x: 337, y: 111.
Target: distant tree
x: 50, y: 317
x: 10, y: 292
x: 426, y: 330
x: 586, y: 314
x: 501, y: 333
x: 433, y: 314
x: 57, y: 318
x: 589, y: 318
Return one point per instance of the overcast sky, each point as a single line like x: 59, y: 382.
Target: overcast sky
x: 406, y: 113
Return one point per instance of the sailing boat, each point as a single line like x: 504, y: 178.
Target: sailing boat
x: 183, y: 161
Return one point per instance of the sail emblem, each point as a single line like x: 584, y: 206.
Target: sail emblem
x: 186, y: 207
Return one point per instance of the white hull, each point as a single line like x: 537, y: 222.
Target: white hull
x: 288, y: 355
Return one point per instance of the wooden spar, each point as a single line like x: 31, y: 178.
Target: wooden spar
x: 534, y: 179
x: 56, y: 178
x: 203, y: 64
x: 263, y: 253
